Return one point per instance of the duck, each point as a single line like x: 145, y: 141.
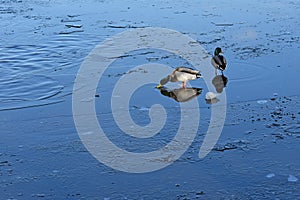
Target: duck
x: 219, y: 61
x: 180, y: 74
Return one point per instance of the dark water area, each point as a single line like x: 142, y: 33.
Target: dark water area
x: 43, y: 45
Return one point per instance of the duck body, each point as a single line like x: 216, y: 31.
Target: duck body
x: 181, y: 74
x: 219, y: 61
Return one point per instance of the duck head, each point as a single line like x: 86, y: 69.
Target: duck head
x: 163, y: 81
x: 218, y: 50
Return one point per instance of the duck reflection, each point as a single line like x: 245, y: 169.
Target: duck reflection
x: 181, y: 94
x: 220, y: 82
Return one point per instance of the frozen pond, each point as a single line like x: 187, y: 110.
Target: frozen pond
x: 43, y: 45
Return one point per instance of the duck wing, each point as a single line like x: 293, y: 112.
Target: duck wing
x: 219, y: 61
x: 187, y: 70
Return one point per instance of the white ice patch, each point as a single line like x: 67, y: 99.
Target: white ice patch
x: 262, y: 101
x: 271, y: 175
x: 292, y: 178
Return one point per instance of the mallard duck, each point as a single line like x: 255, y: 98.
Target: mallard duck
x: 218, y: 61
x: 180, y: 74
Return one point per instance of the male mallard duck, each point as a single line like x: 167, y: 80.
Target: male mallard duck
x: 180, y: 74
x: 219, y: 61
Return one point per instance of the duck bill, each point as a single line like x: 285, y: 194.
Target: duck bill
x: 159, y: 86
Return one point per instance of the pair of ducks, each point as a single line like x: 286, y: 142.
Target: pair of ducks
x: 185, y: 74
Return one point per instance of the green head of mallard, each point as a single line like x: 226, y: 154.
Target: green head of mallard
x: 218, y: 50
x: 163, y: 81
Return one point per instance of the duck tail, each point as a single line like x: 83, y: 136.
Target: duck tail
x: 222, y: 67
x: 198, y: 75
